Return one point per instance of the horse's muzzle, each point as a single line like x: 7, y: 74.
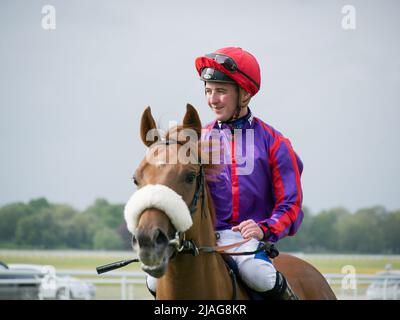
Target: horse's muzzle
x: 154, y: 250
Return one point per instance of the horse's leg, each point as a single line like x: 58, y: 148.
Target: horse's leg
x: 306, y: 281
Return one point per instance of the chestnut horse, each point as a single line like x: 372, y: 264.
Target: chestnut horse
x: 172, y: 212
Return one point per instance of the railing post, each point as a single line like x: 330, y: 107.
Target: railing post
x: 385, y: 288
x: 131, y: 291
x: 123, y: 287
x: 69, y: 289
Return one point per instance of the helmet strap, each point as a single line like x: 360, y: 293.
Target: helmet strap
x: 236, y: 113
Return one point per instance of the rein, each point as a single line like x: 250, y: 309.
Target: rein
x: 189, y: 247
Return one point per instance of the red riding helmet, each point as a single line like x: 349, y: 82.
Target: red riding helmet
x: 231, y: 64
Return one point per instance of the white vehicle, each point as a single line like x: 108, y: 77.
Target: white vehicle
x: 57, y: 287
x: 386, y: 287
x: 18, y: 286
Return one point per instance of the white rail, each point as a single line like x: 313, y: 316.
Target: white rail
x: 129, y: 283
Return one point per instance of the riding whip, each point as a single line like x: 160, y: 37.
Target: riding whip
x: 114, y: 265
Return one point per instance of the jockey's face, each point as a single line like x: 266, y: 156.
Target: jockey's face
x: 222, y: 98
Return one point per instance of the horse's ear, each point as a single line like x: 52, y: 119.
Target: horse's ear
x: 148, y: 128
x: 192, y: 119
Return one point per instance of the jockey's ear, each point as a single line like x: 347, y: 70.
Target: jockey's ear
x: 192, y: 119
x: 244, y: 97
x: 148, y: 128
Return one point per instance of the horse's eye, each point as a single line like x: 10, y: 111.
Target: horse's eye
x: 190, y: 177
x: 135, y: 181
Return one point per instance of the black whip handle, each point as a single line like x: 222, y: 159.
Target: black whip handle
x: 114, y: 265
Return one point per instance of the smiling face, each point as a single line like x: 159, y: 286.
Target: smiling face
x: 222, y: 98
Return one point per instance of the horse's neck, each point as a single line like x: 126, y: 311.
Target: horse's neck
x: 197, y: 277
x: 200, y: 277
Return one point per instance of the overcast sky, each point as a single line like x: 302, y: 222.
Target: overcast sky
x: 71, y: 98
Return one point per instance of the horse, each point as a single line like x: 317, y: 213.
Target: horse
x: 171, y: 215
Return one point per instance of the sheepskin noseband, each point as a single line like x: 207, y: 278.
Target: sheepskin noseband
x: 160, y: 197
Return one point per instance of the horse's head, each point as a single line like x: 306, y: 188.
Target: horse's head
x: 171, y: 189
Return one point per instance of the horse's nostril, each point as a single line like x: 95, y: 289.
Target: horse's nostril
x: 143, y: 240
x: 154, y: 238
x: 160, y: 238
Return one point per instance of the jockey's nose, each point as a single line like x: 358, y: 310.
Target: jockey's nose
x: 213, y: 98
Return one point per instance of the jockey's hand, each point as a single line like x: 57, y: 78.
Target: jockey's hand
x: 249, y: 229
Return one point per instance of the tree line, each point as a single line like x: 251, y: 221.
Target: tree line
x: 39, y: 224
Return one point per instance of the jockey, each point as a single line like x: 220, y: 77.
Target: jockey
x: 264, y: 202
x: 261, y: 201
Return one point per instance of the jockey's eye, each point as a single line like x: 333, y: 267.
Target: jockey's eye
x: 190, y: 177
